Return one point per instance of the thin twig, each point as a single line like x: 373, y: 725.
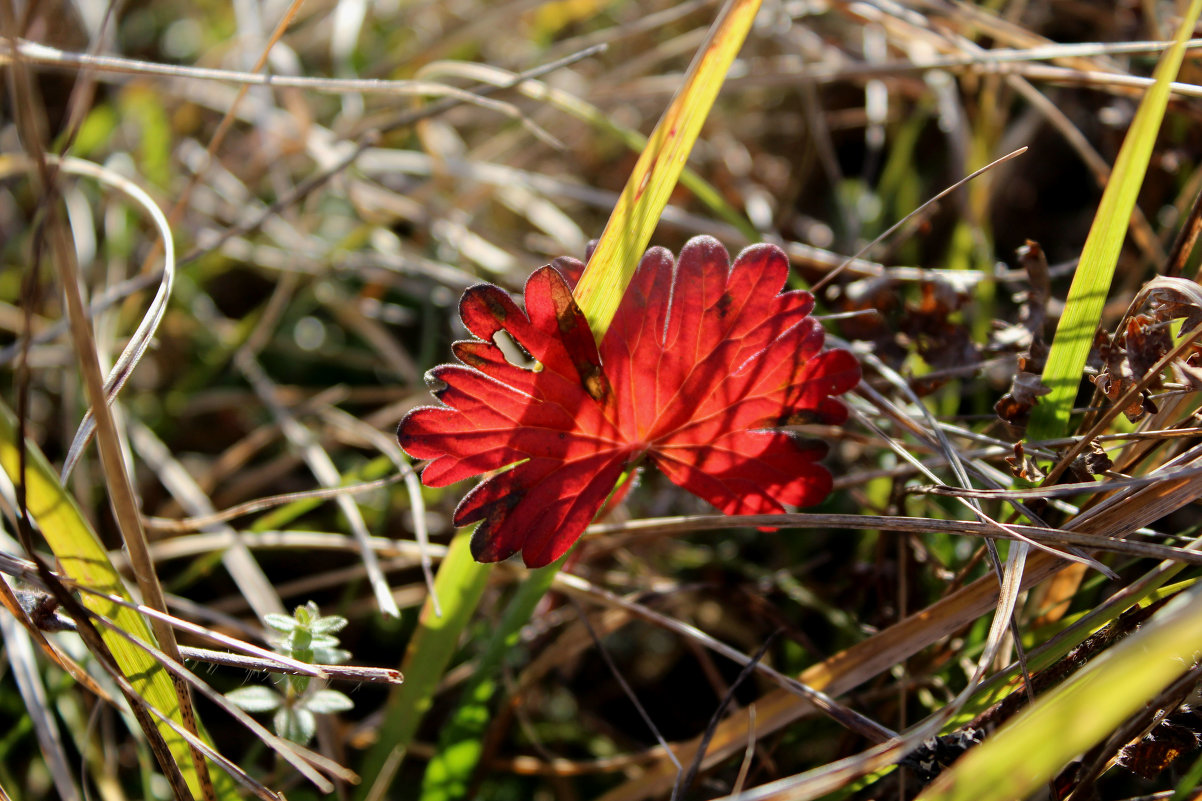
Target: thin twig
x: 859, y: 255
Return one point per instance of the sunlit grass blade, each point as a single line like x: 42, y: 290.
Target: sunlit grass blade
x: 636, y: 214
x: 83, y: 558
x: 1091, y: 282
x: 1030, y: 750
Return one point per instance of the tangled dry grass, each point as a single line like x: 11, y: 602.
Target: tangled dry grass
x: 325, y: 220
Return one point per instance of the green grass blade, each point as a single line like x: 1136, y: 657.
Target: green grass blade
x: 83, y: 558
x: 1026, y: 753
x: 461, y: 740
x: 459, y: 584
x: 655, y: 174
x: 1091, y: 282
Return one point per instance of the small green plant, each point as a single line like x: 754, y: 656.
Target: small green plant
x: 307, y: 636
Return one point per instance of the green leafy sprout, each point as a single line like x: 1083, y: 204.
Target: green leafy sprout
x: 307, y: 636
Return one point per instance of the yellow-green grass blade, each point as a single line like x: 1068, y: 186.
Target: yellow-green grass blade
x: 83, y: 558
x: 1091, y: 282
x: 1026, y: 753
x: 637, y: 212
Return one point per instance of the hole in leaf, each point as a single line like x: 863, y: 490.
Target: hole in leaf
x: 514, y: 353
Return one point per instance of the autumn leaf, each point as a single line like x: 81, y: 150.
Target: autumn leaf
x: 702, y: 364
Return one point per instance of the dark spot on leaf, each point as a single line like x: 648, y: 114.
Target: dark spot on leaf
x: 800, y: 417
x: 723, y: 304
x: 495, y: 307
x: 566, y: 311
x: 595, y: 384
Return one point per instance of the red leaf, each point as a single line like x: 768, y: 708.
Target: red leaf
x: 701, y: 362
